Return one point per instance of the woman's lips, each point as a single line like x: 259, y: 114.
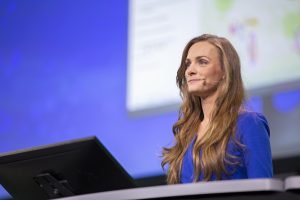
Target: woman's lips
x: 195, y: 80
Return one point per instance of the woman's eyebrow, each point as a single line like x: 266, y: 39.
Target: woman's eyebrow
x: 198, y: 57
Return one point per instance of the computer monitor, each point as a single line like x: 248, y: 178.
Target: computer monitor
x: 63, y: 169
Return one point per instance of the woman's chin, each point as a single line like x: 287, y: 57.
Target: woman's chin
x: 197, y: 92
x: 201, y: 93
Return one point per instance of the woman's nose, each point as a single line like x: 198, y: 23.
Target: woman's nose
x: 190, y: 70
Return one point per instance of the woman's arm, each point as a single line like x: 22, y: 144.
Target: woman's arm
x: 255, y: 135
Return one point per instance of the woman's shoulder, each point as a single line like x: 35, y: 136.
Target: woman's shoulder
x: 251, y: 116
x: 250, y: 120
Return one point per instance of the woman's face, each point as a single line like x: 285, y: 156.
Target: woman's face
x: 203, y: 69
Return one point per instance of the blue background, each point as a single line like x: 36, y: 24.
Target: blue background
x: 63, y: 76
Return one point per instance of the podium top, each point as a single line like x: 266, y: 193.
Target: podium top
x: 201, y: 188
x: 292, y: 183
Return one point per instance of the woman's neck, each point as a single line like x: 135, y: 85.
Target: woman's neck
x: 208, y: 105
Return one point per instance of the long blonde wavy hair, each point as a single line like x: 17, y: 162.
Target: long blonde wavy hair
x: 223, y: 121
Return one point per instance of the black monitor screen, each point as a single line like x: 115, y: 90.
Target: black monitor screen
x: 64, y: 169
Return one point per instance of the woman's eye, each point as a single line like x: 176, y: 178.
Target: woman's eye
x: 187, y: 64
x: 203, y: 62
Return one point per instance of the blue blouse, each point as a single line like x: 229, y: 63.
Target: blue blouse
x: 255, y: 160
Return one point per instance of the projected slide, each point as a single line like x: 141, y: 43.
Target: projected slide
x: 266, y: 35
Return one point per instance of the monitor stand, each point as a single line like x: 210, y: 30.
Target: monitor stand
x: 53, y: 187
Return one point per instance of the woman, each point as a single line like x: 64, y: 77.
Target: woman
x: 216, y: 139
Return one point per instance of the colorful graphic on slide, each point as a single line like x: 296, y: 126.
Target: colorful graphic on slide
x: 240, y: 28
x: 292, y: 28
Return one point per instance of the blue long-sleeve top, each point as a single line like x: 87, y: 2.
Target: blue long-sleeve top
x: 255, y: 160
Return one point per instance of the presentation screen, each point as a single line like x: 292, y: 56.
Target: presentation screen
x: 266, y: 35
